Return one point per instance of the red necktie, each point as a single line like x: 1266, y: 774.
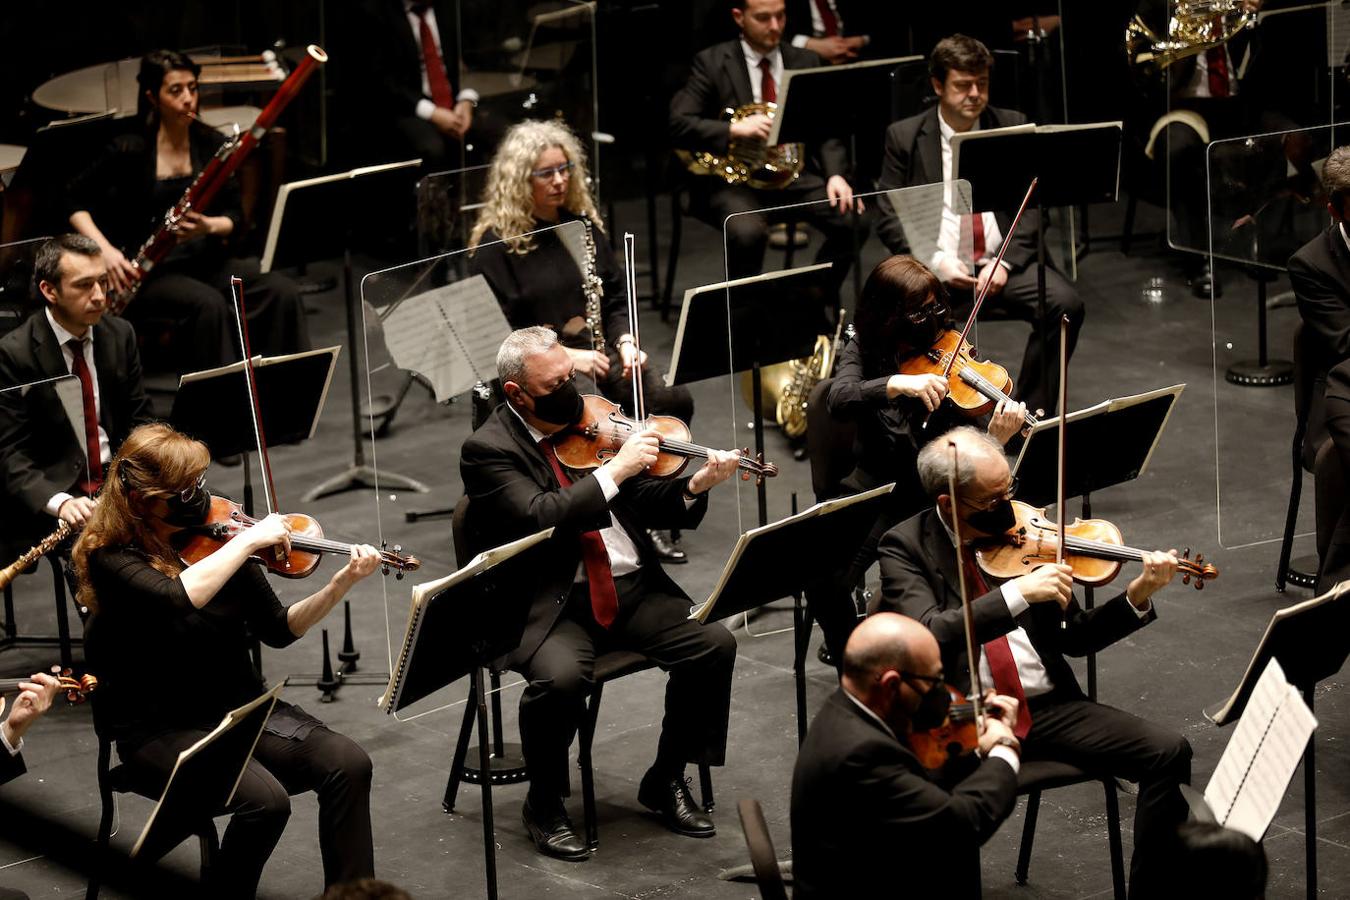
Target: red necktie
x: 441, y: 95
x: 977, y: 237
x: 1216, y: 61
x: 594, y: 556
x: 80, y: 369
x: 1001, y: 663
x: 768, y: 91
x: 828, y: 21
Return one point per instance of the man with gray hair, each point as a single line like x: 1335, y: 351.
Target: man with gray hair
x: 1025, y: 626
x: 864, y: 810
x: 598, y: 587
x: 1320, y: 272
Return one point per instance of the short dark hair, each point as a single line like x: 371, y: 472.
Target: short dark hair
x: 47, y: 261
x: 898, y: 286
x: 154, y: 66
x: 959, y: 52
x: 1336, y: 176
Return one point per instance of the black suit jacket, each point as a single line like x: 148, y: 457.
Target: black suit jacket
x: 1320, y: 275
x: 919, y: 579
x: 513, y: 493
x: 1336, y: 559
x: 40, y: 452
x: 865, y: 814
x: 718, y: 82
x: 393, y: 64
x: 11, y: 767
x: 913, y: 156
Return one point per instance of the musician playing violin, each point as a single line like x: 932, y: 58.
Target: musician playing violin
x: 1024, y: 644
x: 121, y: 198
x: 598, y: 586
x: 154, y: 618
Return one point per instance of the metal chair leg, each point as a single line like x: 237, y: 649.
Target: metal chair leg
x: 586, y: 738
x: 1113, y: 835
x: 1028, y: 836
x: 705, y: 787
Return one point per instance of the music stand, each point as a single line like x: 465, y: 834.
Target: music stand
x: 705, y: 347
x: 1075, y: 164
x: 1307, y: 639
x: 1122, y: 434
x: 457, y: 626
x: 319, y: 218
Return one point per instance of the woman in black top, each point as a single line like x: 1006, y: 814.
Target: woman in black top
x: 538, y: 179
x: 121, y: 199
x: 170, y: 645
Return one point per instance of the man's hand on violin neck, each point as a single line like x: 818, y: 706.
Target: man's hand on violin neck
x: 635, y: 456
x: 720, y: 466
x: 1159, y: 570
x: 1050, y: 583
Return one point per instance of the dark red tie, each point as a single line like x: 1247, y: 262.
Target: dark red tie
x: 441, y: 95
x: 1216, y: 60
x: 977, y: 237
x: 1001, y: 663
x: 829, y: 23
x: 80, y: 369
x: 768, y: 92
x: 594, y: 556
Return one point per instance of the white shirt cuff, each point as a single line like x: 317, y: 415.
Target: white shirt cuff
x: 799, y: 41
x: 425, y: 108
x: 937, y: 259
x: 1012, y: 596
x: 607, y: 485
x: 468, y: 94
x: 1008, y: 756
x: 1141, y: 613
x: 4, y: 739
x: 1007, y: 267
x: 53, y: 506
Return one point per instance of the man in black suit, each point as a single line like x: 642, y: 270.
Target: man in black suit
x: 918, y: 151
x: 864, y: 811
x: 731, y: 75
x: 599, y: 587
x: 1335, y: 562
x: 50, y: 467
x: 1319, y: 271
x: 1019, y: 625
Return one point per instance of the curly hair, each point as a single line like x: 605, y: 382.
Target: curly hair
x: 508, y: 207
x: 155, y: 461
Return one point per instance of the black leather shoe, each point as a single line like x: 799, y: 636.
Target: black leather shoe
x: 666, y: 548
x: 552, y: 833
x: 670, y: 798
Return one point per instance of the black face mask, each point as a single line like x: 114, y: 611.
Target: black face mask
x: 998, y: 520
x: 562, y: 407
x: 932, y: 710
x: 925, y: 335
x: 191, y: 512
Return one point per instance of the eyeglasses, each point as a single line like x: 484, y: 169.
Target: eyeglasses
x: 995, y: 501
x: 187, y: 494
x: 930, y: 680
x: 935, y: 310
x: 565, y: 170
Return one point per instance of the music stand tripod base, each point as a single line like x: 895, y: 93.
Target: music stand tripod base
x: 363, y: 476
x: 1254, y: 373
x: 507, y: 767
x: 1302, y: 572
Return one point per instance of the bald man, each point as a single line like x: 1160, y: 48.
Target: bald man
x: 864, y: 811
x: 1023, y: 643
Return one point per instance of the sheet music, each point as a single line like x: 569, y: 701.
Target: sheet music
x: 1260, y: 759
x: 448, y: 335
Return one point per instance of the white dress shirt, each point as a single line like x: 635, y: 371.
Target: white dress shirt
x: 104, y: 447
x: 425, y: 107
x: 1199, y: 83
x: 12, y: 750
x: 1344, y: 236
x: 950, y: 236
x: 752, y: 58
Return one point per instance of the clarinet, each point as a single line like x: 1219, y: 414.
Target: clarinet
x: 214, y: 176
x: 41, y: 549
x: 594, y: 289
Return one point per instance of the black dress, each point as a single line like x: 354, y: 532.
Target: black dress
x: 545, y: 287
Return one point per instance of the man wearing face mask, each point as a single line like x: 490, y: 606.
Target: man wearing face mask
x: 1018, y: 624
x: 864, y: 811
x: 599, y: 587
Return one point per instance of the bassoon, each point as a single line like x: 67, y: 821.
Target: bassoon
x: 215, y: 174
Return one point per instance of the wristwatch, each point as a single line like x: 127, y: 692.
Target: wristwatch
x: 1006, y: 741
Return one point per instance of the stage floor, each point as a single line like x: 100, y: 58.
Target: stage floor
x: 1190, y: 658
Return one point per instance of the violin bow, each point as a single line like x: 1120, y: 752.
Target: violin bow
x: 1060, y: 486
x: 630, y: 279
x: 254, y: 406
x: 967, y: 614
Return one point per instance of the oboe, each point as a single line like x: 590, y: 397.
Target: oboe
x: 41, y: 549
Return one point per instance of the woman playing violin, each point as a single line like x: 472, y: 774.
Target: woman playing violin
x: 155, y: 619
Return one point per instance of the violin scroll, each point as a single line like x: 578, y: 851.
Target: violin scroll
x: 1198, y: 569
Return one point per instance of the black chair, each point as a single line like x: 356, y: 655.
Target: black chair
x: 829, y: 444
x: 1329, y: 496
x: 762, y: 857
x: 1310, y: 383
x: 1038, y: 776
x: 11, y: 636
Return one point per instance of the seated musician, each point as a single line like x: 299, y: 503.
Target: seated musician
x: 734, y: 74
x: 1319, y: 271
x: 864, y: 811
x: 918, y: 151
x: 156, y: 618
x: 599, y: 588
x: 538, y: 179
x: 1018, y: 624
x: 50, y: 469
x: 1334, y: 566
x: 34, y: 698
x: 121, y: 199
x: 820, y: 26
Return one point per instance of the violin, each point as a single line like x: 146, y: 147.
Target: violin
x: 956, y: 737
x: 1093, y: 547
x: 76, y: 689
x: 308, y: 545
x: 603, y: 428
x: 973, y: 386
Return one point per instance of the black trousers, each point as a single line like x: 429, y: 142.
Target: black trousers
x: 330, y: 764
x: 698, y: 658
x: 1100, y: 738
x: 411, y: 137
